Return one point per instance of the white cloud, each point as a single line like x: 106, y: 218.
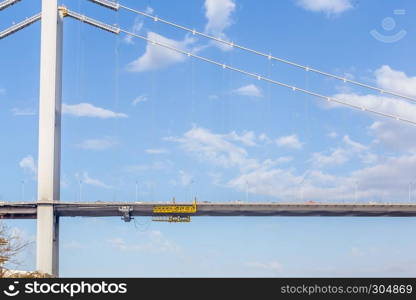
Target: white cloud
x: 264, y: 138
x: 139, y: 99
x: 279, y: 183
x: 386, y: 180
x: 119, y: 244
x: 93, y: 181
x: 330, y: 7
x: 388, y: 79
x: 214, y: 148
x: 382, y: 180
x: 394, y: 135
x: 280, y: 160
x: 89, y: 110
x: 341, y: 155
x: 218, y: 14
x: 136, y: 28
x: 388, y: 105
x: 332, y: 134
x: 391, y: 177
x: 353, y: 145
x: 250, y: 90
x: 149, y: 10
x: 248, y: 138
x: 394, y: 80
x: 221, y: 149
x: 23, y: 112
x: 156, y: 151
x: 185, y: 178
x: 337, y: 157
x: 157, y: 57
x: 28, y: 164
x: 98, y: 144
x: 271, y: 182
x: 369, y: 158
x: 291, y: 141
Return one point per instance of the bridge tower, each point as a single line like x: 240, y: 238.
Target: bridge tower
x: 49, y: 156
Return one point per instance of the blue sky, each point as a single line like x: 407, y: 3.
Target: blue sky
x: 180, y: 127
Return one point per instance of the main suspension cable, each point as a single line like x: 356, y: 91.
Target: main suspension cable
x: 117, y: 30
x: 275, y: 82
x: 268, y: 56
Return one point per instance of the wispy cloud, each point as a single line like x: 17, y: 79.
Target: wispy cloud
x: 290, y: 141
x: 248, y: 138
x: 156, y: 57
x: 89, y: 110
x: 23, y: 112
x: 157, y: 151
x: 384, y: 104
x: 388, y: 79
x: 332, y: 134
x: 219, y: 16
x: 395, y: 80
x: 85, y: 178
x: 250, y: 90
x: 139, y: 99
x: 98, y: 144
x: 385, y: 180
x: 222, y: 149
x: 137, y: 26
x: 342, y: 154
x: 184, y: 179
x: 27, y: 163
x: 378, y: 179
x: 329, y: 7
x: 337, y: 157
x: 394, y: 135
x: 215, y: 148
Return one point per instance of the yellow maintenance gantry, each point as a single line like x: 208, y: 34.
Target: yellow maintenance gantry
x: 175, y: 213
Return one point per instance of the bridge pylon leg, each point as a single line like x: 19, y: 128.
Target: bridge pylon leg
x: 49, y: 158
x: 47, y: 252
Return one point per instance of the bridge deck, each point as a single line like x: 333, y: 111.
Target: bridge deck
x: 27, y: 210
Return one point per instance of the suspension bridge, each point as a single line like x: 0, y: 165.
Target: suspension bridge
x: 48, y: 209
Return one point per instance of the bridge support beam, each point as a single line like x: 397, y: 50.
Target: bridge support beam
x: 49, y: 159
